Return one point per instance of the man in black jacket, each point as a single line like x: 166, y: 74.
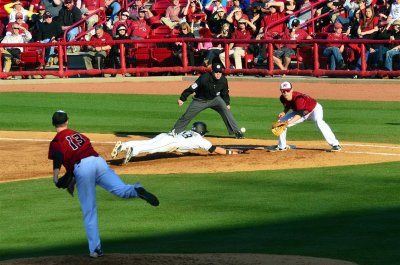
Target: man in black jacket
x: 211, y: 91
x: 69, y: 15
x: 49, y: 31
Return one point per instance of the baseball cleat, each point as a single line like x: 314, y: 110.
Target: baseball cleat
x: 128, y: 155
x: 336, y: 148
x: 147, y: 196
x: 116, y: 150
x: 276, y: 148
x: 97, y: 253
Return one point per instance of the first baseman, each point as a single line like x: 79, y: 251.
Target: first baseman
x: 169, y: 142
x: 74, y: 151
x: 211, y: 91
x: 304, y: 108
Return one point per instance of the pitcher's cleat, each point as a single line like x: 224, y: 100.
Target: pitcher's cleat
x: 336, y: 148
x: 147, y: 196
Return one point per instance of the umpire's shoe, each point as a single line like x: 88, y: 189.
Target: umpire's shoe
x: 147, y: 196
x: 239, y: 135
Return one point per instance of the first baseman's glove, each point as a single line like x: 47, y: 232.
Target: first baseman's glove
x: 243, y: 151
x: 67, y: 182
x: 278, y: 127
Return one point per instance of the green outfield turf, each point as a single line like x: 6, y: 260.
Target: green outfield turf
x: 350, y: 213
x: 150, y: 114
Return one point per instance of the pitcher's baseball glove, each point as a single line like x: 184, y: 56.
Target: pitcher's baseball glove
x: 278, y: 127
x: 67, y: 182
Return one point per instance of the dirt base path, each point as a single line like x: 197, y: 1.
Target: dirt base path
x: 25, y: 154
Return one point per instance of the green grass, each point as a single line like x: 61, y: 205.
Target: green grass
x: 349, y: 213
x: 151, y: 114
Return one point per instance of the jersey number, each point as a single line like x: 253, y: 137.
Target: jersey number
x: 187, y: 135
x: 75, y: 141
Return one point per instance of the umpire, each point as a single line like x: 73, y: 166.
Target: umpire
x: 211, y: 91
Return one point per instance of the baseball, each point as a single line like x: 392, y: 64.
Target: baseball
x: 243, y: 130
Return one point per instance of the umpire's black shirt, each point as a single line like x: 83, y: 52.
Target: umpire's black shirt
x: 207, y: 87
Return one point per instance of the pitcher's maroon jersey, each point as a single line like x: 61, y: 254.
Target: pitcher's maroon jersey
x: 299, y: 102
x: 74, y: 147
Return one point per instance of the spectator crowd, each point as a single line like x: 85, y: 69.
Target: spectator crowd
x: 49, y: 21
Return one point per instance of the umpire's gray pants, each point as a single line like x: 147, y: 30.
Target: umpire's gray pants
x: 198, y: 105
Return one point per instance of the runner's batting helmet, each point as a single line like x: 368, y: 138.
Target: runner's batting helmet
x: 199, y: 127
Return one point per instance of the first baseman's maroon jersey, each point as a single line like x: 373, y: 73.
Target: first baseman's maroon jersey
x: 74, y: 147
x: 300, y: 102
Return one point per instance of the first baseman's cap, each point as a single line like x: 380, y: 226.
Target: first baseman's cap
x: 217, y: 68
x: 286, y: 86
x: 59, y: 117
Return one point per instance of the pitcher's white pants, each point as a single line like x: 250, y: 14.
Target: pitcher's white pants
x: 317, y: 115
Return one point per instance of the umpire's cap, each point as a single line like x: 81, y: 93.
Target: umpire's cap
x: 59, y: 117
x: 199, y: 127
x: 217, y: 68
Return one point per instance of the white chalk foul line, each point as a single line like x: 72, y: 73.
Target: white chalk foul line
x: 371, y: 145
x: 371, y: 153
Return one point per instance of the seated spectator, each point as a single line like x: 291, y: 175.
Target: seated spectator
x: 366, y: 30
x: 35, y: 6
x: 185, y: 32
x: 20, y: 21
x: 134, y: 9
x: 193, y: 12
x: 217, y: 19
x: 13, y: 54
x: 140, y: 28
x: 16, y: 7
x: 282, y: 56
x: 99, y: 51
x: 123, y: 20
x: 213, y: 6
x: 275, y: 13
x: 173, y: 15
x: 114, y: 7
x: 203, y: 47
x: 395, y: 49
x: 239, y: 4
x: 37, y: 19
x: 394, y: 12
x: 235, y: 16
x: 291, y: 6
x: 121, y: 34
x: 49, y: 31
x: 218, y: 48
x: 239, y: 49
x: 69, y: 15
x: 87, y: 9
x: 334, y: 51
x: 378, y: 51
x: 53, y: 6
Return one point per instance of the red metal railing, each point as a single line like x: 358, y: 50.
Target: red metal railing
x: 314, y: 70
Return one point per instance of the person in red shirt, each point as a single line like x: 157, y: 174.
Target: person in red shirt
x: 304, y: 108
x: 19, y: 19
x: 75, y: 152
x: 140, y: 28
x: 98, y: 52
x: 276, y: 11
x: 282, y: 56
x: 239, y: 49
x: 334, y: 51
x: 123, y: 20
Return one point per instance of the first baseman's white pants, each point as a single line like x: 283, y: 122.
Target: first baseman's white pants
x: 162, y: 143
x: 317, y: 115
